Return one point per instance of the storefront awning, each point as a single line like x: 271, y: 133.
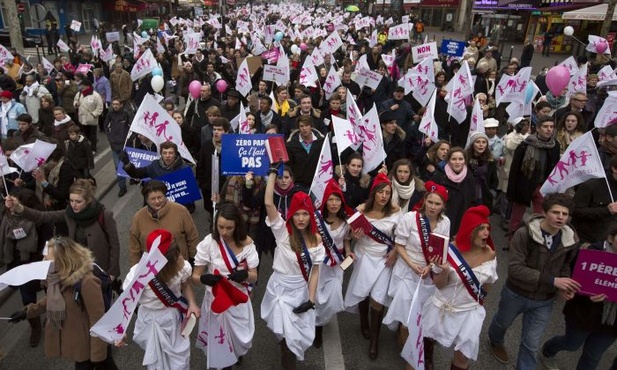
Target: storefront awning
x: 592, y: 13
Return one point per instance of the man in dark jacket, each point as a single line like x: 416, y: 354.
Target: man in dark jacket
x: 27, y: 133
x: 533, y: 161
x: 116, y: 126
x: 304, y: 147
x: 578, y: 100
x: 231, y: 108
x: 305, y: 108
x: 399, y: 108
x: 541, y: 253
x: 594, y: 210
x: 196, y: 113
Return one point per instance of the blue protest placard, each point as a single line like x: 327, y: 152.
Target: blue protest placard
x: 182, y: 186
x: 241, y: 153
x: 140, y: 158
x: 453, y: 47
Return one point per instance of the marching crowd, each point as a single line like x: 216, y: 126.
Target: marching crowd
x: 447, y: 184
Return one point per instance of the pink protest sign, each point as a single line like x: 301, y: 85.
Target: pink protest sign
x: 596, y: 271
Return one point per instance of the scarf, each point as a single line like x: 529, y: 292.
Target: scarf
x: 62, y: 121
x: 266, y: 118
x: 402, y: 193
x: 453, y: 176
x: 284, y: 108
x: 283, y: 192
x: 534, y: 160
x: 555, y: 101
x: 56, y: 307
x: 32, y: 89
x: 87, y: 216
x: 87, y: 91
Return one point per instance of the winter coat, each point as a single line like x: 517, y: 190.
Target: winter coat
x: 103, y: 87
x: 532, y: 267
x: 155, y: 169
x: 67, y: 94
x: 46, y: 121
x: 461, y: 196
x: 121, y: 85
x: 79, y: 153
x: 89, y: 108
x: 116, y: 127
x: 104, y: 243
x: 16, y: 109
x: 29, y: 137
x: 173, y: 217
x: 591, y: 217
x: 303, y: 164
x: 33, y: 102
x: 73, y: 340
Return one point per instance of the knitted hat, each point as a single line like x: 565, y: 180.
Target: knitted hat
x: 226, y: 295
x: 6, y: 94
x: 473, y: 136
x: 432, y: 187
x: 472, y: 218
x: 379, y: 179
x: 301, y: 202
x: 332, y: 187
x: 159, y: 238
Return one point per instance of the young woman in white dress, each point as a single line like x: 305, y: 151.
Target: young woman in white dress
x: 330, y: 287
x: 289, y: 300
x: 228, y: 253
x: 158, y: 326
x: 454, y: 315
x: 412, y: 267
x: 373, y: 257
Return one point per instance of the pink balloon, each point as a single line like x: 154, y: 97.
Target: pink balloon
x: 303, y: 46
x: 601, y: 46
x: 195, y: 89
x: 557, y: 79
x: 221, y: 86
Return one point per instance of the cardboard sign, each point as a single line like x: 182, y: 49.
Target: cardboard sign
x: 453, y: 47
x: 182, y: 186
x: 112, y: 36
x: 254, y: 63
x: 75, y: 25
x: 243, y: 153
x: 421, y: 52
x: 596, y: 271
x: 140, y: 158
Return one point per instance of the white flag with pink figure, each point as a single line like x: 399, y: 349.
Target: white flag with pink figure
x: 421, y: 81
x: 373, y: 152
x: 153, y: 121
x: 215, y: 339
x: 47, y: 65
x: 331, y: 83
x: 460, y: 88
x: 331, y: 43
x: 316, y: 57
x: 105, y: 54
x: 578, y: 81
x: 243, y: 122
x: 579, y: 163
x: 399, y: 32
x: 428, y: 124
x: 243, y: 79
x: 570, y: 64
x: 5, y: 54
x: 345, y: 134
x: 112, y: 327
x: 413, y: 350
x: 144, y: 65
x: 95, y: 44
x: 323, y: 172
x: 354, y: 116
x: 477, y: 117
x: 608, y: 113
x: 31, y: 156
x: 512, y: 88
x: 63, y: 46
x: 598, y: 45
x: 308, y: 74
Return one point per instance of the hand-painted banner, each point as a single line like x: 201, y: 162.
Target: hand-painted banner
x: 596, y: 271
x: 241, y: 154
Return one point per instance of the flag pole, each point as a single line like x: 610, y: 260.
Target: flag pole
x: 6, y: 189
x: 608, y: 186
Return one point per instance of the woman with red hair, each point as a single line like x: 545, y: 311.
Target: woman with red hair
x: 293, y: 283
x: 454, y: 315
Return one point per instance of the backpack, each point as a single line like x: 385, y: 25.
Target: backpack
x: 105, y: 287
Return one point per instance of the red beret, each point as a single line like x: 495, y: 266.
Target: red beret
x: 6, y: 94
x: 472, y: 218
x: 161, y: 243
x: 380, y: 179
x: 301, y: 201
x: 432, y: 187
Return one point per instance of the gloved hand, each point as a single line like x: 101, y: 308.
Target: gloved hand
x: 18, y: 316
x: 308, y: 305
x: 124, y: 157
x: 210, y: 279
x: 238, y: 276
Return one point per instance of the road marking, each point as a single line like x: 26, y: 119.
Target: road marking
x: 102, y: 154
x: 332, y: 349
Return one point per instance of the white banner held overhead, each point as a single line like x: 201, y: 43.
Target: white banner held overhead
x: 323, y: 172
x: 144, y: 65
x: 424, y: 51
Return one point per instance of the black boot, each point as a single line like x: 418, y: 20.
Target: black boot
x: 318, y: 337
x: 429, y: 347
x: 35, y: 331
x: 376, y: 319
x: 364, y: 326
x: 288, y: 358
